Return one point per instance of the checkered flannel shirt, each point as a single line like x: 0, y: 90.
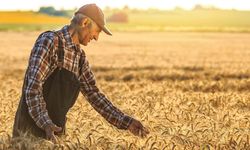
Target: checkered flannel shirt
x: 43, y: 61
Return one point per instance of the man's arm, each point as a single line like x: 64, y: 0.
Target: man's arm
x: 99, y: 101
x: 37, y: 71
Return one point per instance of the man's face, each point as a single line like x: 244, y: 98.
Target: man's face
x: 88, y: 32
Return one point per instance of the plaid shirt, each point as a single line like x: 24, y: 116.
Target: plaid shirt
x: 44, y: 60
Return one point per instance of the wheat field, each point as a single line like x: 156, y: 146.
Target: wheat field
x: 190, y: 89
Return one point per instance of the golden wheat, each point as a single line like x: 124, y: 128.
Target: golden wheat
x: 190, y: 89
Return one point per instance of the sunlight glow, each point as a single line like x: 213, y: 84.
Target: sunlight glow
x: 141, y: 4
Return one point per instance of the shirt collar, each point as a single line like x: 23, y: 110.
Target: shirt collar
x: 68, y: 39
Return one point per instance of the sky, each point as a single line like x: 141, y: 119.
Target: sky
x: 142, y: 4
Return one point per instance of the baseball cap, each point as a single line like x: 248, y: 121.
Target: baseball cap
x: 95, y: 13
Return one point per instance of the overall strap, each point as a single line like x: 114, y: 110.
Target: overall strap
x: 40, y: 35
x: 81, y: 62
x: 60, y: 51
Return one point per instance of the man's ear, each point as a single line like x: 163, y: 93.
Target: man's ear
x: 85, y: 22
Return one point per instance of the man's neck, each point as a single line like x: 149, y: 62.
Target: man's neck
x: 74, y: 35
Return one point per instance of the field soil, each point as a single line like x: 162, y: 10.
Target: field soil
x: 190, y: 89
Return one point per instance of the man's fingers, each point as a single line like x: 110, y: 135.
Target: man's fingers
x: 56, y: 128
x: 144, y: 133
x: 141, y: 132
x: 138, y: 129
x: 146, y: 130
x: 54, y: 139
x: 48, y: 135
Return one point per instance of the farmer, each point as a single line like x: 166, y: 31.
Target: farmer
x: 57, y: 71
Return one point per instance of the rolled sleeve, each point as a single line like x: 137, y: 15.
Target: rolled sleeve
x: 126, y: 121
x: 99, y: 101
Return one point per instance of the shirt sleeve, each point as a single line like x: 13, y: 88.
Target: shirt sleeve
x: 37, y: 71
x: 99, y: 101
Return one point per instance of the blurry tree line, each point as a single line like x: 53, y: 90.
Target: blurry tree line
x: 120, y: 15
x: 117, y: 15
x: 53, y: 12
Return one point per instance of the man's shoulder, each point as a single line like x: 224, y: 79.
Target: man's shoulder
x: 45, y: 42
x: 48, y: 39
x: 47, y: 36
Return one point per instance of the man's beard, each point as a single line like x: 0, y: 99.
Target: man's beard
x: 79, y: 35
x: 83, y: 34
x: 77, y: 32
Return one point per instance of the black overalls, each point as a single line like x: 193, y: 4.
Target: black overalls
x: 60, y: 92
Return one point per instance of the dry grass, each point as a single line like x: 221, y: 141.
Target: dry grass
x: 190, y: 89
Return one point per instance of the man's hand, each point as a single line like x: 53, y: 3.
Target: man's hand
x: 137, y: 129
x: 49, y: 130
